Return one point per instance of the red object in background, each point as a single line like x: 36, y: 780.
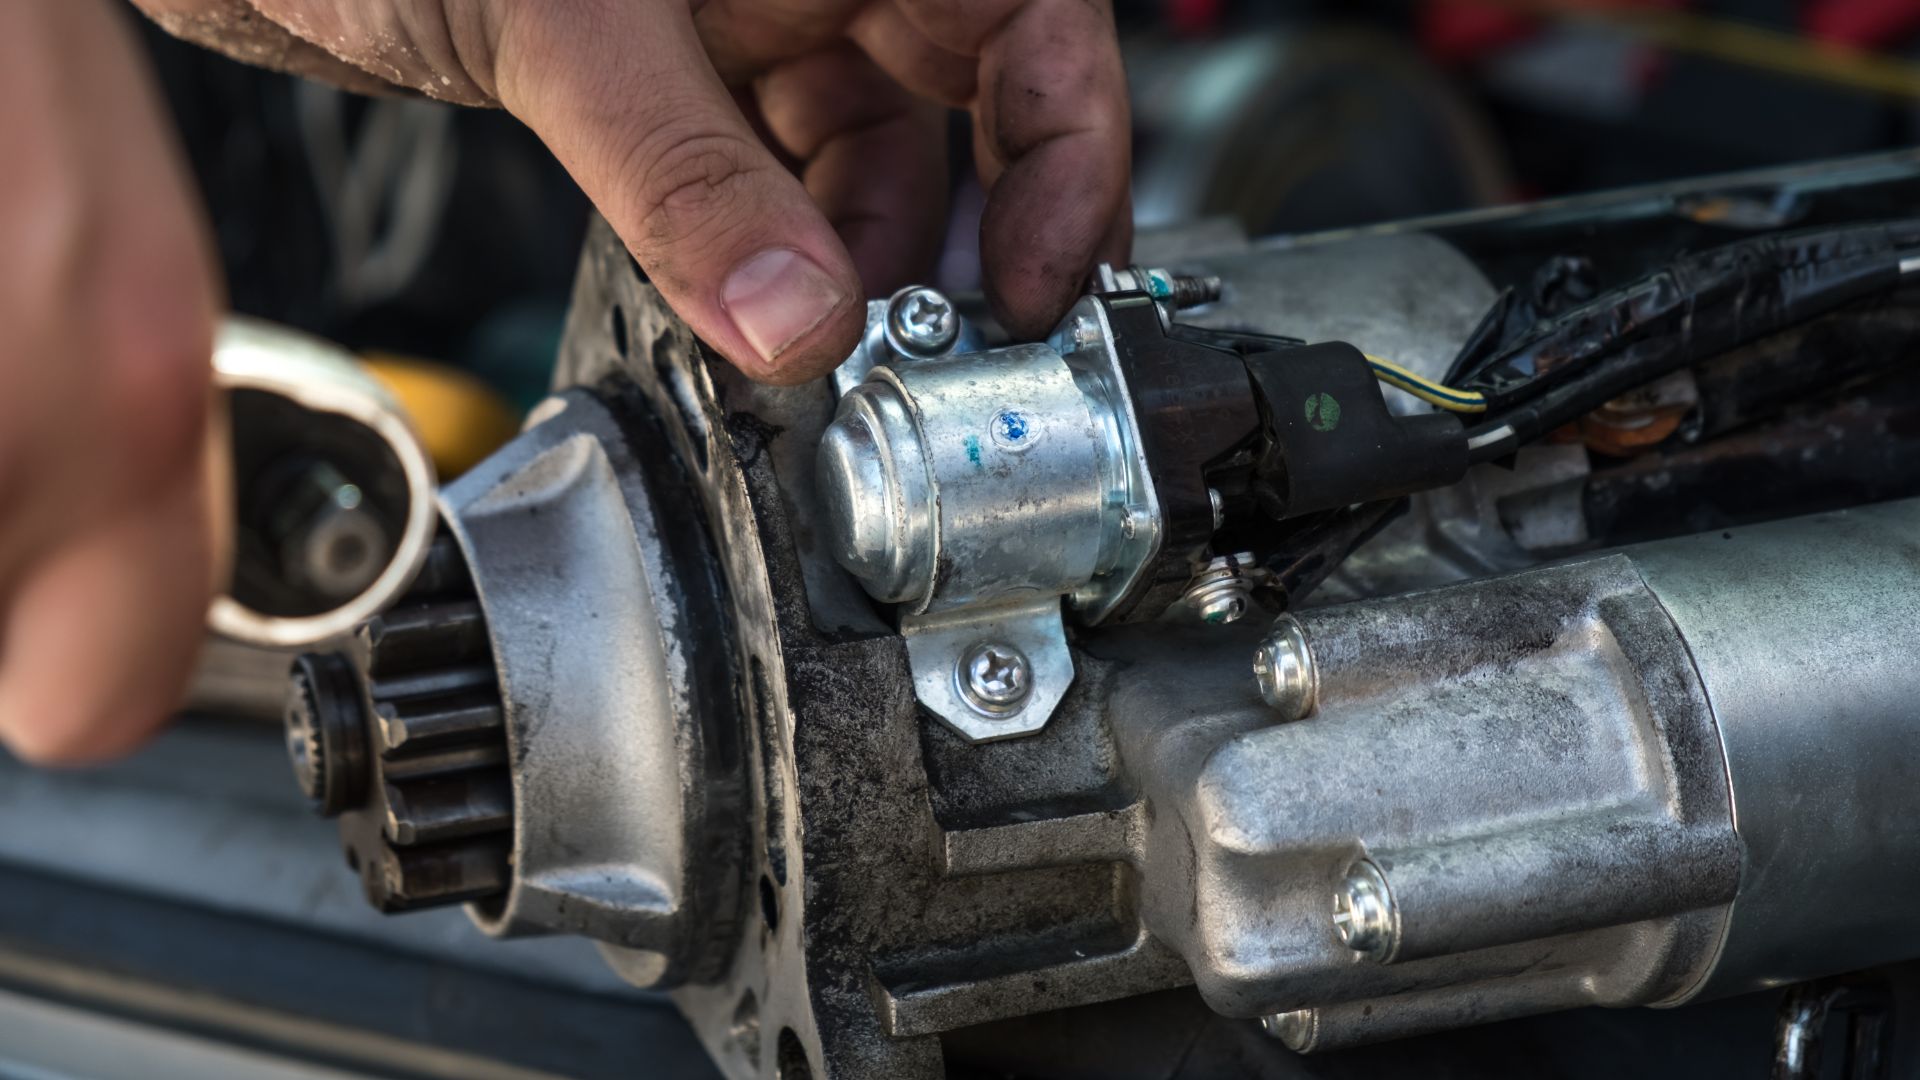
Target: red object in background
x: 1194, y: 17
x: 1863, y: 23
x: 1458, y: 31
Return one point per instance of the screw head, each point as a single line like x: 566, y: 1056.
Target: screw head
x: 1086, y: 332
x: 1219, y: 594
x: 1363, y: 915
x: 922, y: 320
x: 995, y: 678
x: 1284, y: 666
x: 1295, y: 1030
x: 1223, y: 607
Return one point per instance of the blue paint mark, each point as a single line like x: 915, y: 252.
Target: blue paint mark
x: 973, y: 450
x: 1013, y: 426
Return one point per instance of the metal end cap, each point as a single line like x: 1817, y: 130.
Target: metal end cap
x: 874, y: 495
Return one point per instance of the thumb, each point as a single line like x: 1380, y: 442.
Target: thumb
x: 623, y: 94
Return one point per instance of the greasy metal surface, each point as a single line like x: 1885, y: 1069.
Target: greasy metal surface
x: 863, y: 945
x: 1497, y: 519
x: 908, y: 881
x: 622, y: 775
x: 1802, y: 632
x: 1528, y: 760
x: 777, y: 1002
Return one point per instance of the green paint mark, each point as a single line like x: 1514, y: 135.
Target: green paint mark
x: 973, y: 450
x: 1323, y: 412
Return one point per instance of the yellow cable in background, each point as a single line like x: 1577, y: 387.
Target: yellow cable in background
x: 1734, y: 42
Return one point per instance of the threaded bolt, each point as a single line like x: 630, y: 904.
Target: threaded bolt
x: 1219, y: 593
x: 1364, y: 918
x: 1191, y: 290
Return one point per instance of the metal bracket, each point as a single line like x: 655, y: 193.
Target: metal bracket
x: 939, y: 644
x: 1085, y: 340
x: 879, y: 346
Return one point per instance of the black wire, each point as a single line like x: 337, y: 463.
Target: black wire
x: 1693, y: 308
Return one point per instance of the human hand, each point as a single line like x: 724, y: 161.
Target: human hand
x: 107, y: 304
x: 642, y: 101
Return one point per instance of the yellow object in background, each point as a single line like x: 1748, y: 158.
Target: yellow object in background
x: 460, y: 419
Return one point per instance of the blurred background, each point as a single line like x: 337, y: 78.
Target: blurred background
x: 405, y: 227
x: 185, y: 910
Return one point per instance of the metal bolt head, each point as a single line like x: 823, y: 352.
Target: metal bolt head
x: 995, y: 678
x: 922, y: 320
x: 1284, y: 666
x: 1222, y: 607
x: 1086, y: 332
x: 1363, y: 915
x: 1219, y: 594
x: 1295, y: 1030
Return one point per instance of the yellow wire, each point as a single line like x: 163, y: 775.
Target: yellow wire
x: 1433, y: 393
x: 1739, y: 43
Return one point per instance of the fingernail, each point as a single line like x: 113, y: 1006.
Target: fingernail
x: 776, y: 297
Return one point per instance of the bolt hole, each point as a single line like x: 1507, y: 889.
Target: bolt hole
x: 679, y: 387
x: 792, y: 1062
x: 347, y: 554
x: 620, y: 330
x: 769, y: 903
x: 773, y: 795
x: 745, y: 1029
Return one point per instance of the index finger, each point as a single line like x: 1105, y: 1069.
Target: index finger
x: 1052, y: 136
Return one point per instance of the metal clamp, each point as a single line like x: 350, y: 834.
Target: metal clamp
x: 916, y: 323
x: 981, y: 491
x: 991, y: 673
